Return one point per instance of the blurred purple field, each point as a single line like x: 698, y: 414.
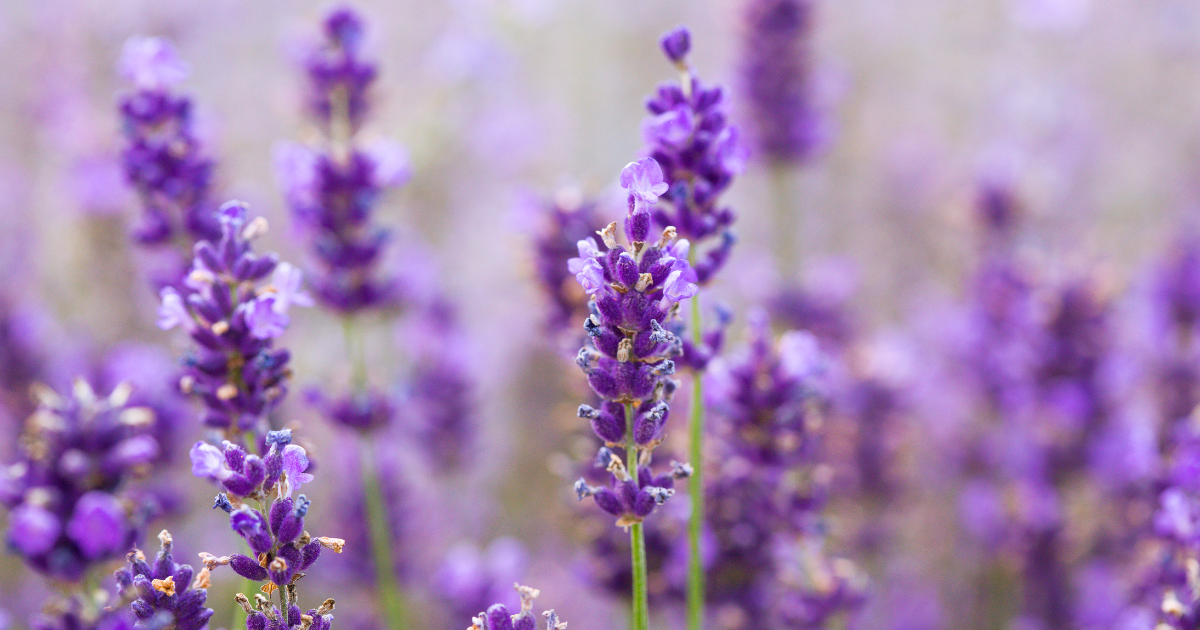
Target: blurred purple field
x: 712, y: 315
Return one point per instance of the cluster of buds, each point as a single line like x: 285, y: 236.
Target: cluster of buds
x: 689, y: 136
x: 68, y: 510
x: 234, y: 317
x: 635, y: 291
x: 165, y: 594
x: 246, y: 476
x: 497, y: 616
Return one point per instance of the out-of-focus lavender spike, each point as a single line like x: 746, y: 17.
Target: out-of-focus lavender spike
x: 761, y: 518
x: 333, y: 190
x: 777, y: 78
x: 441, y: 386
x: 469, y: 580
x: 163, y: 159
x: 67, y: 495
x: 699, y: 152
x: 568, y: 220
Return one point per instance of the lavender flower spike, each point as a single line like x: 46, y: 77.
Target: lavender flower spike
x: 233, y: 320
x: 163, y: 160
x: 687, y: 133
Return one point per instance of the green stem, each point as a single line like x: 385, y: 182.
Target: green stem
x: 387, y: 588
x: 637, y: 538
x: 695, y: 587
x: 641, y: 599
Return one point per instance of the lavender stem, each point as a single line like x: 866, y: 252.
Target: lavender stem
x: 637, y: 539
x: 387, y: 589
x: 695, y: 586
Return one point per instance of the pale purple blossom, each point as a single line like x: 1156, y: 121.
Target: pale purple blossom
x: 151, y: 63
x: 677, y: 287
x: 98, y: 525
x: 264, y: 318
x: 590, y: 276
x: 172, y: 312
x: 295, y: 462
x: 288, y: 282
x: 208, y: 461
x: 673, y: 128
x: 644, y: 180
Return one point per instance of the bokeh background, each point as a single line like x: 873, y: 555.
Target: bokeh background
x: 1085, y: 112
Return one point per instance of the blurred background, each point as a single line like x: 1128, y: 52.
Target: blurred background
x: 1078, y: 117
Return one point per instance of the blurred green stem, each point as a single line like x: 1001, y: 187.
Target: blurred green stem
x: 387, y: 588
x: 695, y: 586
x: 637, y: 540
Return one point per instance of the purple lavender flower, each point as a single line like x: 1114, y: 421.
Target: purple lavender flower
x: 163, y: 160
x: 689, y: 138
x: 67, y: 494
x: 234, y: 368
x: 777, y: 80
x: 634, y: 292
x: 761, y: 517
x: 497, y: 616
x: 165, y: 594
x: 333, y: 191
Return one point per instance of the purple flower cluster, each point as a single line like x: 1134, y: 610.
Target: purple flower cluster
x: 777, y: 77
x: 332, y: 191
x: 234, y: 368
x: 282, y: 548
x: 248, y: 476
x: 163, y: 160
x: 634, y: 291
x: 497, y: 616
x: 164, y: 594
x: 440, y: 406
x: 261, y: 614
x: 688, y: 135
x: 764, y: 504
x: 67, y: 496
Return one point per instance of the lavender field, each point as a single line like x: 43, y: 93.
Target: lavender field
x: 689, y: 315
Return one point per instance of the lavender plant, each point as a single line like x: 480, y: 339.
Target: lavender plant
x: 163, y: 159
x: 635, y: 290
x: 687, y: 132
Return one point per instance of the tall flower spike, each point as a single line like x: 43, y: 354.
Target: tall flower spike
x: 634, y: 292
x: 777, y: 80
x: 234, y: 316
x: 333, y: 190
x: 163, y: 159
x: 699, y: 152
